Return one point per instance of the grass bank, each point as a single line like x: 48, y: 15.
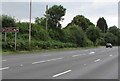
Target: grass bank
x: 43, y: 50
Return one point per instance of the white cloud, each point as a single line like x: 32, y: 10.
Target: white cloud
x: 25, y: 20
x: 91, y: 9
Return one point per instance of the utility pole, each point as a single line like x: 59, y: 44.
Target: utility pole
x: 30, y: 26
x: 46, y: 18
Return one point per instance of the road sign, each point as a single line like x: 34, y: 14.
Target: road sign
x: 11, y: 29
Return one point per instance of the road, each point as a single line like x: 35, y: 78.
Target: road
x: 96, y: 63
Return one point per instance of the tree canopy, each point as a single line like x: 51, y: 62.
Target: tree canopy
x: 93, y: 33
x: 81, y: 21
x: 7, y: 21
x: 55, y: 14
x: 102, y: 24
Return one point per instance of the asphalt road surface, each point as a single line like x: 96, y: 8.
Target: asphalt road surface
x: 97, y: 63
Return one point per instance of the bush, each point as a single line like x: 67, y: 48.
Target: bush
x: 74, y: 34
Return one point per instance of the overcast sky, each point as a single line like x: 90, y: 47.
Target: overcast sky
x: 91, y: 9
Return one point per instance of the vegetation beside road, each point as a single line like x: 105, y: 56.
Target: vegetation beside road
x: 79, y: 33
x: 44, y: 50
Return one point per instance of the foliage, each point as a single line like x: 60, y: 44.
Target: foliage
x: 100, y: 41
x: 40, y: 21
x: 7, y: 21
x: 102, y: 24
x: 74, y: 34
x: 93, y: 33
x: 81, y: 21
x: 55, y: 14
x: 114, y: 30
x: 56, y: 34
x: 111, y: 38
x: 81, y: 32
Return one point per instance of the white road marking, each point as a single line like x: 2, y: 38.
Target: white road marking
x: 110, y: 55
x: 61, y: 73
x: 54, y: 59
x: 4, y: 68
x: 46, y: 55
x: 97, y: 60
x: 85, y: 64
x: 21, y: 65
x: 78, y: 55
x: 75, y: 55
x: 91, y: 53
x: 4, y: 60
x: 46, y: 60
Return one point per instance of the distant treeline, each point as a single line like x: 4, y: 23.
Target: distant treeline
x: 80, y: 32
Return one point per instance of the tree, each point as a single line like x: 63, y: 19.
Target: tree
x: 7, y: 21
x: 74, y: 34
x: 81, y: 21
x: 102, y: 24
x: 114, y: 30
x: 40, y: 21
x: 93, y: 33
x: 111, y: 38
x: 55, y: 14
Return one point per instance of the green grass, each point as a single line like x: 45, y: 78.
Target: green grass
x: 43, y: 50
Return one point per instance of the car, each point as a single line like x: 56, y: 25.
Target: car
x: 108, y: 45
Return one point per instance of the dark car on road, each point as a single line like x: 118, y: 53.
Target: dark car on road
x: 108, y: 45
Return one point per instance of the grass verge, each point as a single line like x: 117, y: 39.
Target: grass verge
x: 43, y: 50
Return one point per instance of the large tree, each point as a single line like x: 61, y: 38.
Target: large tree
x: 109, y: 37
x: 93, y: 33
x: 102, y: 24
x: 74, y: 34
x: 40, y: 21
x: 81, y: 21
x: 55, y: 14
x: 7, y: 21
x: 114, y: 30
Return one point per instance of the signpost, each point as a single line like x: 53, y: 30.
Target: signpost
x: 11, y: 29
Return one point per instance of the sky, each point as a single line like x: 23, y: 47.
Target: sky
x: 91, y: 9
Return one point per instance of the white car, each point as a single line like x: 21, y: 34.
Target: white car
x: 108, y: 45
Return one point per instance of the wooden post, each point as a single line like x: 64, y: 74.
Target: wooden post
x: 5, y: 36
x: 15, y: 40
